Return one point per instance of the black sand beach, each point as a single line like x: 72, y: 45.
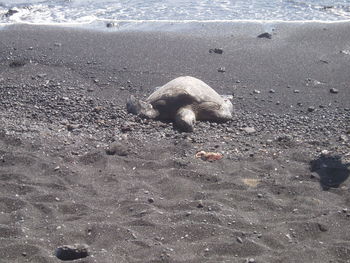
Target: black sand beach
x: 280, y: 194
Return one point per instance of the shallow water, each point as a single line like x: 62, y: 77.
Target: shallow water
x: 85, y: 12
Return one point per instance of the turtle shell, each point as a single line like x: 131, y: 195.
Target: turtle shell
x: 181, y: 92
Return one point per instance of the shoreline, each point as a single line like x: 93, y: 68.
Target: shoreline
x: 177, y: 26
x: 76, y: 168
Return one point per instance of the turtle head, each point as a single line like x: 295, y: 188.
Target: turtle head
x: 227, y: 109
x: 185, y: 119
x: 141, y: 108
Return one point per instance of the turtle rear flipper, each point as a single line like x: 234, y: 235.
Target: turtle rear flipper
x: 141, y: 108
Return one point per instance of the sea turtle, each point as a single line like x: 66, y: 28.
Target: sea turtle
x: 183, y: 100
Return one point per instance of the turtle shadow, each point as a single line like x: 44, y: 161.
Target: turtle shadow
x: 331, y: 170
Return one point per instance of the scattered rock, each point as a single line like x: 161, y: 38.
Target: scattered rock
x: 311, y: 109
x: 188, y: 213
x: 41, y: 76
x: 334, y: 90
x: 222, y: 69
x: 200, y: 205
x: 343, y: 138
x: 71, y: 127
x: 239, y: 240
x: 249, y: 130
x: 111, y: 24
x: 265, y: 35
x: 10, y: 12
x: 322, y: 227
x: 77, y: 251
x: 296, y: 91
x: 284, y: 138
x: 272, y: 91
x: 216, y: 50
x: 17, y: 63
x: 117, y: 149
x: 126, y: 128
x: 256, y: 91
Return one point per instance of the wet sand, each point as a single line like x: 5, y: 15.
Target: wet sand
x: 279, y: 194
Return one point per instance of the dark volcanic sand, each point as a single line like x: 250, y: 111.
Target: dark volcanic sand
x: 280, y: 194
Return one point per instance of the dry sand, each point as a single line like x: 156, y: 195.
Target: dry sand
x: 280, y: 194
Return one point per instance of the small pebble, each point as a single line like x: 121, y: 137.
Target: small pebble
x: 216, y: 50
x: 265, y: 35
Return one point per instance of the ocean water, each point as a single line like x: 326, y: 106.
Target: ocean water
x: 114, y: 12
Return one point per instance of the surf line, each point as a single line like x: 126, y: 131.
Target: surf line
x: 220, y: 21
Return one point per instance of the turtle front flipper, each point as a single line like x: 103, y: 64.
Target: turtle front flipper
x: 185, y: 119
x: 141, y: 108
